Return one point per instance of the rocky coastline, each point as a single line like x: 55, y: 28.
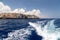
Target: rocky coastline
x: 15, y: 15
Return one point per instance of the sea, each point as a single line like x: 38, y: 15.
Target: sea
x: 30, y: 29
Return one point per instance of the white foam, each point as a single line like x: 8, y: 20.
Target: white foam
x: 21, y: 34
x: 48, y: 32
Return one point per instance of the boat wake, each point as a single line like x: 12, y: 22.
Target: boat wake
x: 48, y: 32
x: 21, y: 34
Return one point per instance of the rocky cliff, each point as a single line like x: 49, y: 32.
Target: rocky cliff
x: 16, y: 15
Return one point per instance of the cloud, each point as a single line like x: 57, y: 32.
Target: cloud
x: 6, y: 9
x: 19, y: 10
x: 33, y: 12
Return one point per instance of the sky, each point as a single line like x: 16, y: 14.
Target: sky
x: 49, y: 8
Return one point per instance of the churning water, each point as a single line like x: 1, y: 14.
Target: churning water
x: 29, y: 29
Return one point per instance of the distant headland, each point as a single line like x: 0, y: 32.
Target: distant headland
x: 15, y: 15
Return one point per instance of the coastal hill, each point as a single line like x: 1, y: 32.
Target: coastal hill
x: 16, y: 15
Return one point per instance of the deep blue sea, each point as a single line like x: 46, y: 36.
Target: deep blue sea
x: 27, y: 29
